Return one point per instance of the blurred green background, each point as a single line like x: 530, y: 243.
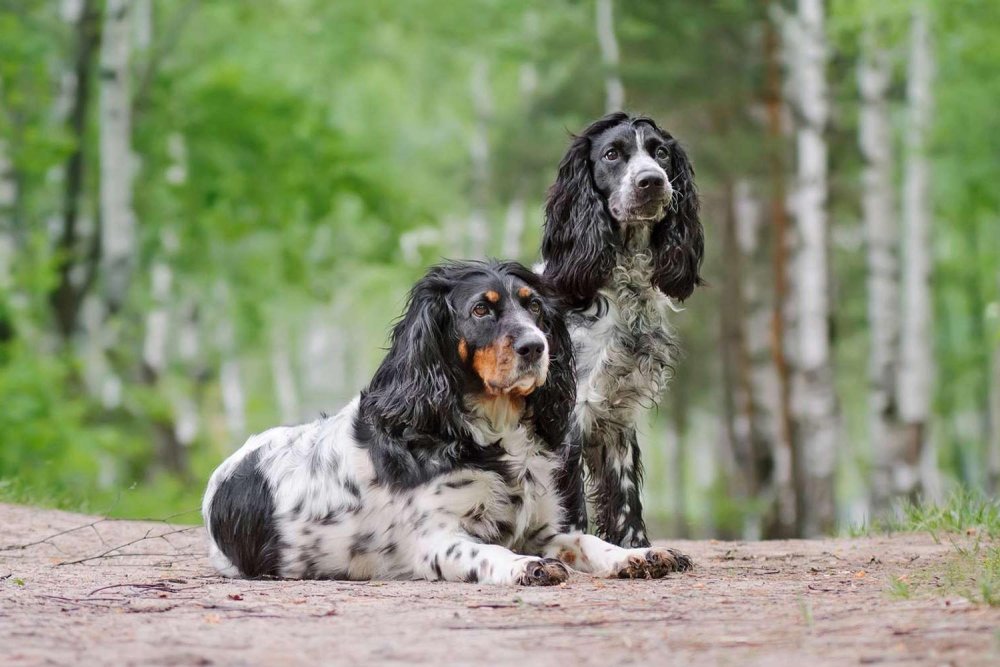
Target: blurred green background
x: 211, y: 211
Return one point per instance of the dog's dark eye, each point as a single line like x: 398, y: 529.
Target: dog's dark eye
x: 480, y: 310
x: 661, y: 153
x: 535, y: 306
x: 611, y: 155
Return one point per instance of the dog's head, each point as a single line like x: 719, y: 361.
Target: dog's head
x: 622, y: 171
x: 475, y: 334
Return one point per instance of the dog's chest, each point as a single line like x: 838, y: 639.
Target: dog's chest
x: 623, y: 344
x: 504, y: 508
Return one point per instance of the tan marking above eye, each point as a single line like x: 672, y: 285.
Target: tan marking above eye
x: 524, y: 292
x: 492, y: 296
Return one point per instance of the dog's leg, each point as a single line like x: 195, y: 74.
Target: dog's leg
x: 569, y: 482
x: 592, y: 555
x: 616, y: 484
x: 454, y: 557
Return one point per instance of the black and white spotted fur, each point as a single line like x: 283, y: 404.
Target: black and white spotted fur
x: 622, y: 242
x: 443, y: 469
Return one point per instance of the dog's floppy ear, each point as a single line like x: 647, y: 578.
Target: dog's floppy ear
x: 678, y: 241
x: 552, y: 403
x: 578, y: 244
x: 416, y: 388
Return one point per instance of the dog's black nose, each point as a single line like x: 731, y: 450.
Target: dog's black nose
x: 650, y: 179
x: 529, y: 348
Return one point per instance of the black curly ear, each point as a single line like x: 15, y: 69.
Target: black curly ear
x: 580, y: 237
x: 678, y: 241
x: 552, y: 403
x: 416, y: 389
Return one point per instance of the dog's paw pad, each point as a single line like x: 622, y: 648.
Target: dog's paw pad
x: 655, y: 563
x: 544, y: 572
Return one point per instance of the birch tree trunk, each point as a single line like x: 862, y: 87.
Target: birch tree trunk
x: 993, y: 455
x: 613, y: 87
x: 882, y: 236
x: 785, y: 468
x: 187, y: 422
x: 479, y: 150
x: 815, y: 406
x: 285, y: 387
x: 916, y: 350
x: 739, y: 391
x: 677, y: 431
x: 513, y: 228
x: 8, y: 200
x: 76, y: 266
x: 515, y: 219
x: 171, y: 450
x: 117, y: 218
x: 230, y: 372
x: 764, y: 409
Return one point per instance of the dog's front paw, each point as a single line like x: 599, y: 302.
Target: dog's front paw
x: 654, y: 563
x: 543, y: 572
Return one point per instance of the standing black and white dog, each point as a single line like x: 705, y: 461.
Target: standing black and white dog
x: 622, y: 241
x: 443, y: 468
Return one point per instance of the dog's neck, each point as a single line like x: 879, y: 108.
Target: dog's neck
x: 635, y: 236
x: 633, y: 268
x: 493, y: 417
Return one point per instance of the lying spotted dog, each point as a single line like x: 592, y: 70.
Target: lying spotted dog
x: 445, y: 467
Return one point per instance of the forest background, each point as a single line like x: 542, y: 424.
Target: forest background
x: 210, y: 213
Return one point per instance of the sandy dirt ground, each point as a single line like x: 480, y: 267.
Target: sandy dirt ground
x: 133, y: 593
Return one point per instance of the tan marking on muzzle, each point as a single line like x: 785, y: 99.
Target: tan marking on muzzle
x: 463, y: 350
x: 496, y: 365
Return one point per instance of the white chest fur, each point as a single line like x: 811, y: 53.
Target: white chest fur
x: 624, y: 345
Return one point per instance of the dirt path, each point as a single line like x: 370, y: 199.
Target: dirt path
x: 155, y: 602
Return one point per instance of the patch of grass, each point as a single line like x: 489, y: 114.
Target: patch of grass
x: 974, y: 573
x: 971, y: 523
x: 964, y: 512
x: 899, y: 587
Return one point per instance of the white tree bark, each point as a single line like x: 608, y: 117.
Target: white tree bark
x: 187, y: 421
x: 285, y: 387
x: 815, y: 400
x: 613, y: 87
x: 233, y: 400
x: 513, y: 228
x: 230, y: 373
x: 479, y: 151
x: 154, y: 347
x: 117, y: 218
x: 142, y: 24
x: 993, y: 457
x: 916, y: 349
x: 8, y: 199
x: 765, y: 409
x: 882, y: 235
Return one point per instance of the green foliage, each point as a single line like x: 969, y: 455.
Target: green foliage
x: 51, y: 444
x: 300, y: 163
